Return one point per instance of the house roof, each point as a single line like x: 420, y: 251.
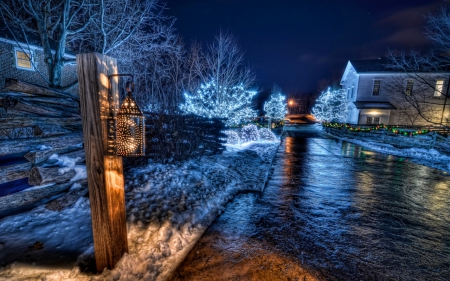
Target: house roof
x: 373, y: 105
x: 373, y: 65
x: 13, y: 35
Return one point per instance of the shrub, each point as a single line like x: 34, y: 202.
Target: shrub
x: 232, y: 137
x: 249, y: 133
x: 266, y: 134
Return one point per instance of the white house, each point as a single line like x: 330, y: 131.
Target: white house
x: 378, y: 95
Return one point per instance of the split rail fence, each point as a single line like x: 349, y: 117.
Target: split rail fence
x: 35, y: 123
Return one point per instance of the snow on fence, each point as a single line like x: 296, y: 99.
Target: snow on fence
x: 411, y: 136
x: 35, y: 123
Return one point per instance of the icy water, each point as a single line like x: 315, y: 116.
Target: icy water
x: 331, y: 211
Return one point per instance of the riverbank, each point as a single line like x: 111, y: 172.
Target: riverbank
x: 168, y: 209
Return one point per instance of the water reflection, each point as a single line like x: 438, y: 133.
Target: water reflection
x: 339, y: 212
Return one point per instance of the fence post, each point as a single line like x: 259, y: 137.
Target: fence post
x: 105, y: 173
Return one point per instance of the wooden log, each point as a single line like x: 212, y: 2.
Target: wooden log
x: 17, y: 122
x: 14, y: 172
x: 26, y: 145
x: 39, y: 156
x: 24, y: 87
x: 68, y: 199
x: 78, y: 155
x: 67, y: 102
x: 28, y: 197
x: 16, y: 105
x: 43, y: 175
x: 105, y: 173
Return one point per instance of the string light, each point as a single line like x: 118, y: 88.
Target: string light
x: 331, y: 106
x: 216, y: 101
x: 276, y: 106
x: 393, y: 129
x: 249, y: 133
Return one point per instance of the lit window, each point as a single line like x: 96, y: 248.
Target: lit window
x: 23, y: 60
x: 439, y: 88
x: 369, y: 120
x: 376, y: 120
x: 409, y: 87
x: 376, y: 87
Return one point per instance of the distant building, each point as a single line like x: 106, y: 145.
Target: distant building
x: 377, y: 94
x: 22, y: 58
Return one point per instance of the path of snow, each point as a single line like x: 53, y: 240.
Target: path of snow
x: 168, y: 209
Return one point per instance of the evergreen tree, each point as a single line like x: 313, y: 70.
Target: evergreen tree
x: 331, y: 106
x: 275, y: 107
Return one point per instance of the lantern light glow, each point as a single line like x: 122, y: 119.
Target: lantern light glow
x: 129, y: 129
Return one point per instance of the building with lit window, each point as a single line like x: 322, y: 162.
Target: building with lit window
x: 379, y: 95
x: 22, y: 58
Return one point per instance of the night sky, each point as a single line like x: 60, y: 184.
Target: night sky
x: 297, y: 43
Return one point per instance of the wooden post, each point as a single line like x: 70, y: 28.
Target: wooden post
x: 105, y: 173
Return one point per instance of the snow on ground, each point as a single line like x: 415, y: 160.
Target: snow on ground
x: 428, y: 157
x: 168, y: 209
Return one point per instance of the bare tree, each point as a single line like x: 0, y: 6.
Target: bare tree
x: 224, y: 64
x: 53, y: 20
x: 429, y: 99
x: 415, y: 102
x: 222, y: 84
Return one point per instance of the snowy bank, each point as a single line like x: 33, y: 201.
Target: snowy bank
x: 168, y: 209
x: 428, y: 157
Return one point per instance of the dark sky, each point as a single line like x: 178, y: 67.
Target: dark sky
x: 297, y: 43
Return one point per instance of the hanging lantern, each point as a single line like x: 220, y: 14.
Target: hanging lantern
x: 130, y: 126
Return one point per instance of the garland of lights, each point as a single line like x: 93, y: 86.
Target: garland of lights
x: 393, y: 129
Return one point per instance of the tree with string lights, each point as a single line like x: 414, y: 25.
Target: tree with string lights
x: 225, y: 85
x: 331, y: 106
x: 216, y: 101
x: 275, y: 107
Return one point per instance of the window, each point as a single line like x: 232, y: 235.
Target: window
x: 439, y: 88
x: 376, y: 120
x: 409, y: 87
x: 369, y: 120
x: 23, y: 59
x: 353, y: 92
x: 348, y: 94
x: 376, y: 87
